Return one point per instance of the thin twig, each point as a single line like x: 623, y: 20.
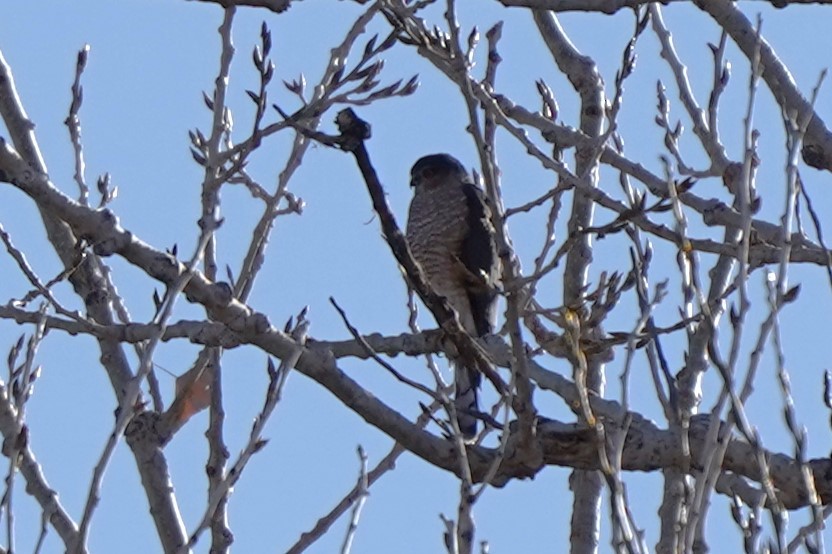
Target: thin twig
x: 363, y: 493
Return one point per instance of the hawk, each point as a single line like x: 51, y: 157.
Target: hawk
x: 450, y: 234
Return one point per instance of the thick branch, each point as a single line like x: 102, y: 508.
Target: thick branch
x: 647, y: 447
x: 817, y: 143
x: 89, y: 281
x: 276, y: 6
x: 612, y: 6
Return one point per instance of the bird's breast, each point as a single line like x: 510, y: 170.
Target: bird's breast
x: 437, y: 225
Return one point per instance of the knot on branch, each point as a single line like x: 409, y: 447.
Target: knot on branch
x: 115, y: 238
x: 146, y: 430
x: 353, y: 129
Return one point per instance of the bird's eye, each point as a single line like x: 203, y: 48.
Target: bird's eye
x: 428, y: 173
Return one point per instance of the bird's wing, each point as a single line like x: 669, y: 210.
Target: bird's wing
x: 479, y: 258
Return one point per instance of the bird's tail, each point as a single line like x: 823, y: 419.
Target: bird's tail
x: 466, y: 403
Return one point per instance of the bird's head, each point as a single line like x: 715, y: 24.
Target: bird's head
x: 435, y: 168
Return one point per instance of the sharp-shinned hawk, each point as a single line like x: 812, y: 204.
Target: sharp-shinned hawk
x: 450, y: 234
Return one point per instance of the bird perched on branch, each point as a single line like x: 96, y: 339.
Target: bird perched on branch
x: 450, y: 234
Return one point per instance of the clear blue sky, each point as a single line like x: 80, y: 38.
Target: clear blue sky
x: 149, y: 63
